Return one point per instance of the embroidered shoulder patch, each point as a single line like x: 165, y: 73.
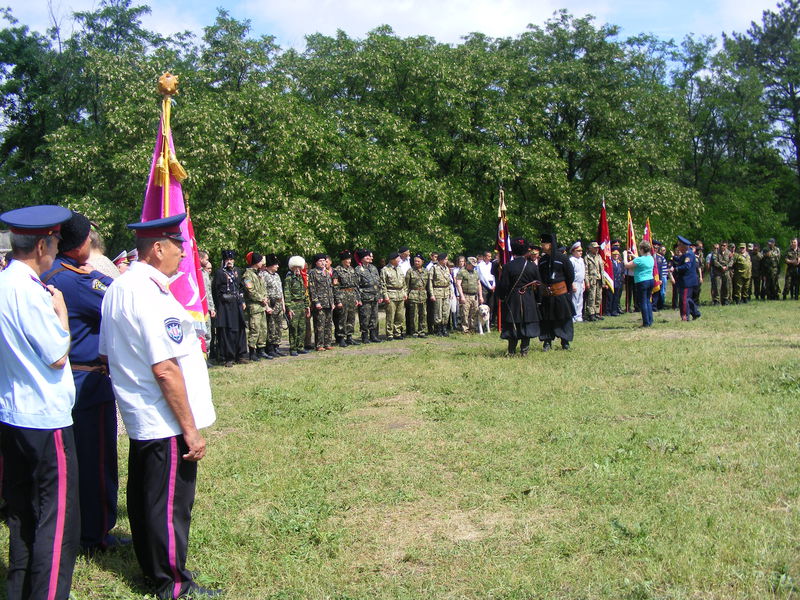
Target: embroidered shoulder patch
x: 174, y: 329
x: 99, y: 286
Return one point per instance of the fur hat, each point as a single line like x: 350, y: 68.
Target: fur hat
x: 297, y: 261
x: 272, y: 260
x: 74, y: 232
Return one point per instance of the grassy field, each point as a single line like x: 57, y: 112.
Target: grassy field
x: 656, y: 463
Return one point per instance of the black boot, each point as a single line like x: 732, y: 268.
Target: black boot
x: 342, y: 343
x: 352, y: 342
x: 276, y: 351
x: 262, y: 353
x: 525, y: 346
x: 512, y: 347
x: 445, y: 331
x: 373, y: 336
x: 546, y: 346
x: 364, y: 337
x: 253, y: 355
x: 271, y: 351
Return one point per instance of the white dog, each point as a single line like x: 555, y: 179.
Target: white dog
x: 483, y: 319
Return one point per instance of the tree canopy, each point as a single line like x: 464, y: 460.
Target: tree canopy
x: 383, y: 141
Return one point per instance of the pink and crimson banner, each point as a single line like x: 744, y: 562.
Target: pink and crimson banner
x: 163, y: 198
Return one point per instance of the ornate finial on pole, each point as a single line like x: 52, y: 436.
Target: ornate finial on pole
x: 168, y: 84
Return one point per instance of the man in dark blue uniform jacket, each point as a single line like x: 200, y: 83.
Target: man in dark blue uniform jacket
x: 686, y: 279
x: 94, y: 414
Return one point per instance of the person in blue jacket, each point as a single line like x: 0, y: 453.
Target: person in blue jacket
x: 686, y: 280
x: 94, y: 414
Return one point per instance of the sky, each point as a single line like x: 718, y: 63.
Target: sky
x: 445, y: 20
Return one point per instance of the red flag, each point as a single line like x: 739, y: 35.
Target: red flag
x: 503, y: 241
x: 630, y: 242
x: 604, y: 239
x: 163, y: 198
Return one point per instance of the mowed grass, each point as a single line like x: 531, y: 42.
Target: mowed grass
x: 656, y: 463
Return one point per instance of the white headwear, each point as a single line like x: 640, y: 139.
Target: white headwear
x: 297, y: 261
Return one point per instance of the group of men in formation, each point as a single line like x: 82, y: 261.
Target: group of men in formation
x: 320, y: 302
x: 74, y: 340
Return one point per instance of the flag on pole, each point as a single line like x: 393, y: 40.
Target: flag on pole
x: 604, y: 239
x: 164, y: 198
x: 503, y: 241
x: 630, y: 242
x: 648, y: 236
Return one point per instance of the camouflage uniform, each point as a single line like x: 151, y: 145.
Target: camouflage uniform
x: 296, y: 300
x: 791, y: 281
x: 721, y: 283
x: 754, y: 289
x: 320, y: 291
x: 439, y: 288
x: 369, y: 288
x: 770, y: 265
x: 275, y: 302
x: 255, y: 294
x: 393, y: 289
x: 417, y: 286
x: 594, y: 279
x: 742, y: 274
x: 470, y: 282
x: 345, y: 292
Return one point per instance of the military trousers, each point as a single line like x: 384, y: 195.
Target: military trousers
x: 297, y: 327
x: 594, y: 296
x: 395, y: 318
x: 368, y: 315
x: 256, y: 328
x: 323, y: 327
x: 740, y: 287
x: 469, y: 313
x: 275, y: 321
x: 771, y: 287
x: 791, y: 283
x: 344, y: 318
x: 721, y: 280
x: 417, y: 317
x: 441, y: 308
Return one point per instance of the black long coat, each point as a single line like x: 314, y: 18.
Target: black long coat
x: 228, y: 299
x: 517, y: 292
x: 554, y: 269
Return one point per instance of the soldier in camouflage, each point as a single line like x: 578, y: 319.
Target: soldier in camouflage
x: 470, y: 294
x: 770, y: 265
x: 721, y: 264
x: 255, y: 299
x: 439, y: 293
x: 791, y: 282
x: 393, y: 289
x: 369, y: 290
x: 296, y: 302
x: 594, y: 282
x: 417, y: 285
x: 275, y: 308
x: 754, y: 289
x: 320, y: 292
x: 742, y: 273
x: 346, y: 299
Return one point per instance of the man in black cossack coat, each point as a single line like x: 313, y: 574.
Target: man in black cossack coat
x: 229, y: 300
x: 517, y: 293
x: 557, y: 276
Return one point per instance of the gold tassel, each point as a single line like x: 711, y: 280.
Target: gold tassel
x: 176, y: 169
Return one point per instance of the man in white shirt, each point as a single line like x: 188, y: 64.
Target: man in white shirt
x: 488, y: 281
x: 162, y: 387
x: 37, y: 394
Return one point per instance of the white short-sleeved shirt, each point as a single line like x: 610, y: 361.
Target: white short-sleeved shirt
x: 32, y: 393
x: 404, y: 266
x: 143, y: 324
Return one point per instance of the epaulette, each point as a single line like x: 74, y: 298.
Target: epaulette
x: 69, y: 267
x: 160, y: 285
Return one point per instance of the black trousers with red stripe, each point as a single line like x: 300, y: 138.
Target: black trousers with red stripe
x: 40, y: 486
x: 95, y: 425
x: 161, y: 488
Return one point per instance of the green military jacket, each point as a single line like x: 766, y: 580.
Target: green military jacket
x: 295, y: 293
x: 470, y: 281
x: 771, y: 260
x: 369, y: 282
x: 721, y: 259
x: 794, y: 256
x: 255, y: 292
x: 755, y: 261
x: 393, y: 284
x: 345, y: 285
x: 320, y: 288
x: 594, y: 266
x: 439, y: 282
x: 417, y: 284
x: 742, y: 265
x: 273, y: 284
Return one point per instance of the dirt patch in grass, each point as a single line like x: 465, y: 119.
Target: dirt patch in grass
x: 391, y: 413
x: 398, y: 537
